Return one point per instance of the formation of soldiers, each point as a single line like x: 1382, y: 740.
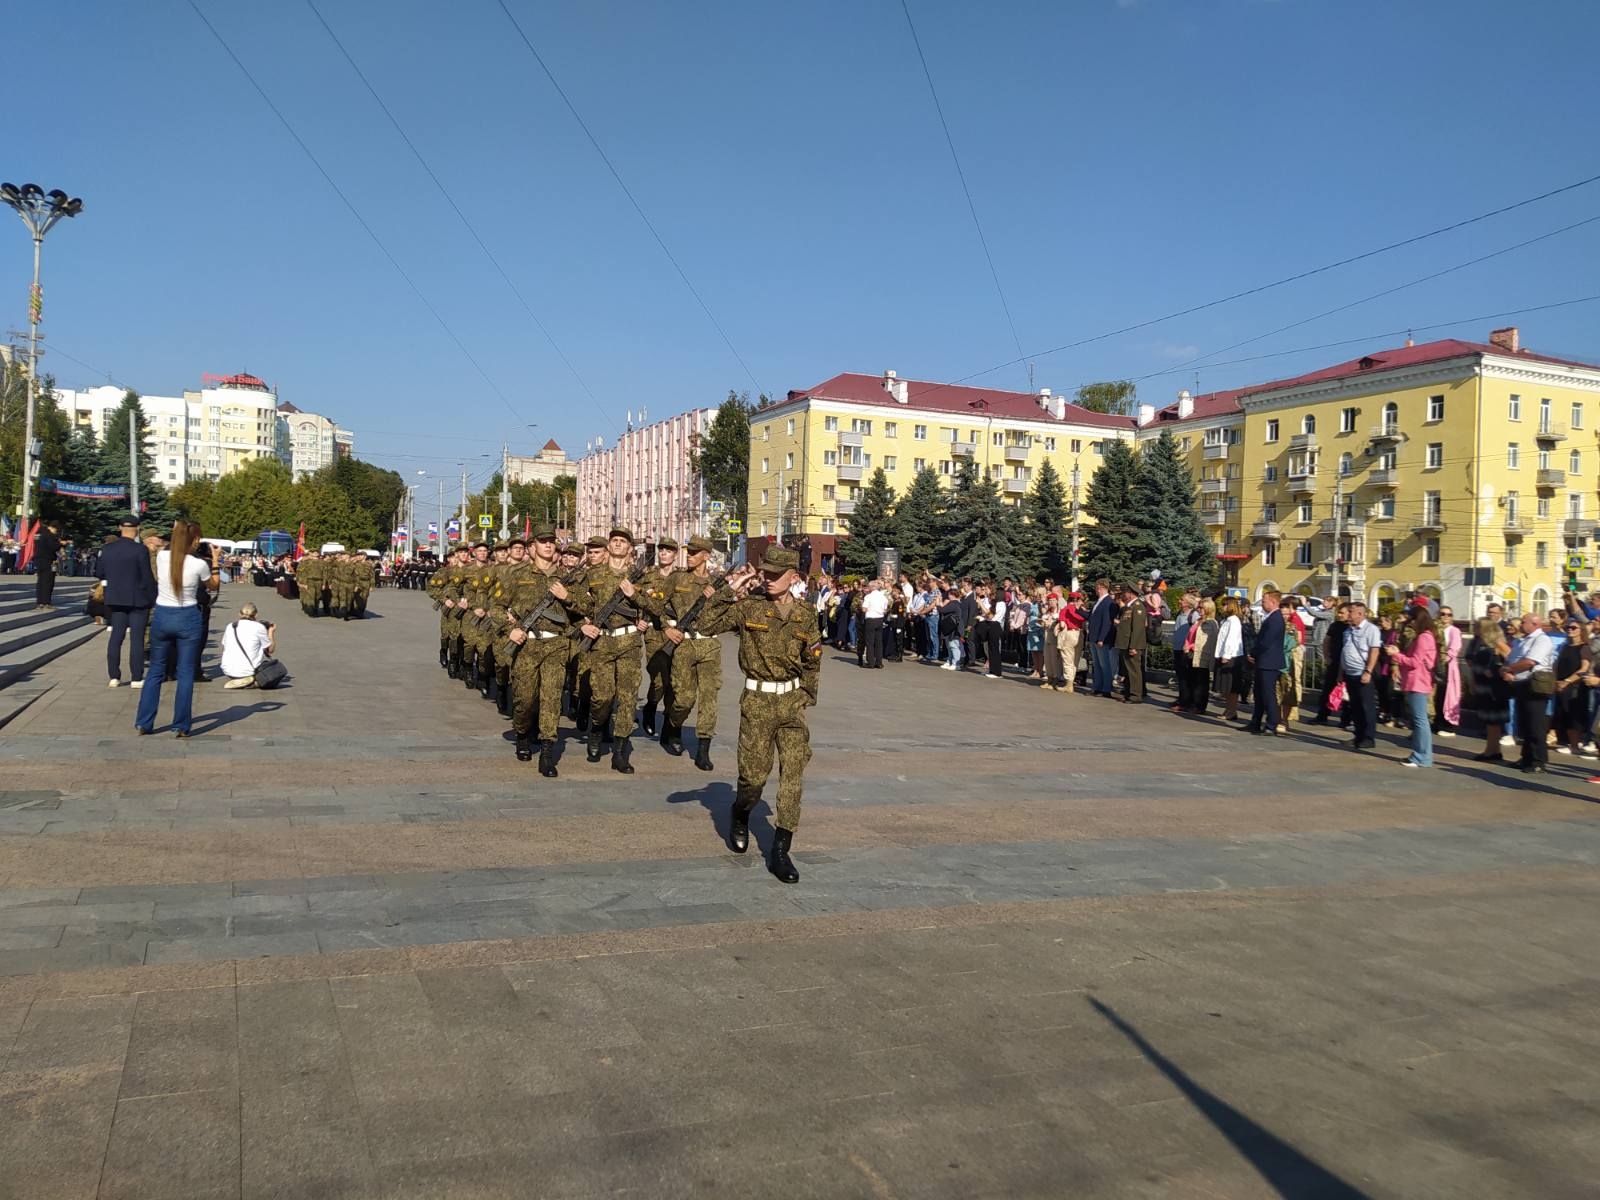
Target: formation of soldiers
x: 335, y: 585
x: 544, y: 631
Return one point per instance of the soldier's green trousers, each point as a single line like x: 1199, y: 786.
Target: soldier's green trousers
x: 538, y: 675
x: 696, y: 679
x: 770, y: 723
x: 613, y: 667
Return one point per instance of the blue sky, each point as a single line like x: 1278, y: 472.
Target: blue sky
x: 1127, y: 158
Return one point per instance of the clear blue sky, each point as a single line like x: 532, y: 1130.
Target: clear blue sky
x: 1126, y: 159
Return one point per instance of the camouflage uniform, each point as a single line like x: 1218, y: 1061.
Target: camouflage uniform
x: 365, y: 577
x: 341, y: 580
x: 539, y: 668
x: 308, y: 575
x: 448, y: 618
x: 778, y: 646
x: 657, y: 662
x: 696, y: 664
x: 477, y: 589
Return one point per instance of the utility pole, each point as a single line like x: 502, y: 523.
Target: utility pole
x: 439, y: 539
x: 133, y: 463
x: 505, y: 491
x: 1076, y: 507
x: 1338, y: 533
x: 464, y: 539
x: 780, y: 508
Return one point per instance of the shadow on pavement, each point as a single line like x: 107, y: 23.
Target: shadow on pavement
x: 212, y: 722
x: 1289, y: 1172
x: 717, y: 800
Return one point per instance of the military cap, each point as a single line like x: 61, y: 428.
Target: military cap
x: 543, y: 533
x: 517, y: 541
x: 620, y: 531
x: 698, y: 544
x: 485, y: 545
x: 780, y: 558
x: 596, y: 542
x: 666, y: 543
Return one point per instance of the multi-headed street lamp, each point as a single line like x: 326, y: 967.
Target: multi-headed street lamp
x: 39, y: 210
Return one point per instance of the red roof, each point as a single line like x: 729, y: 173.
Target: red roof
x: 851, y: 388
x: 244, y: 381
x: 1217, y: 403
x: 550, y: 445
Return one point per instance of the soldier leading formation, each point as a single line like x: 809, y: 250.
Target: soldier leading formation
x: 335, y: 585
x: 543, y: 632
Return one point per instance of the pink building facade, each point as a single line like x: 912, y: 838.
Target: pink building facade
x: 646, y: 481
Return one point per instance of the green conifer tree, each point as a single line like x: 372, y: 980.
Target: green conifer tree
x: 917, y: 515
x: 984, y: 533
x: 872, y: 526
x: 1171, y: 537
x: 1049, y: 539
x: 1110, y: 540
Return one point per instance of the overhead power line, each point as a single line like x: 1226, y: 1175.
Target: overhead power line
x: 354, y: 212
x: 461, y: 216
x: 962, y: 176
x: 632, y: 199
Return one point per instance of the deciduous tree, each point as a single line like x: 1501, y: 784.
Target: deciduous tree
x: 1113, y: 396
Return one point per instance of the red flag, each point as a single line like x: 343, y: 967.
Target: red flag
x: 25, y: 547
x: 527, y: 527
x: 300, y: 543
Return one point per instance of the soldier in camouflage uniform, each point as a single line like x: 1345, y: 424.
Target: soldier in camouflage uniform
x: 454, y: 593
x: 780, y: 654
x: 516, y: 563
x: 449, y: 618
x: 594, y: 555
x: 613, y: 657
x: 475, y: 592
x: 657, y: 662
x: 539, y: 669
x: 696, y: 657
x: 308, y: 575
x: 339, y: 580
x: 365, y: 577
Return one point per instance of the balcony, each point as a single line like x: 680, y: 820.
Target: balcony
x: 849, y: 438
x: 1577, y: 529
x: 1387, y: 478
x: 1518, y: 525
x: 1550, y: 432
x: 1267, y: 531
x: 1216, y: 451
x: 1214, y: 517
x: 1549, y: 478
x: 1303, y: 483
x: 850, y: 472
x: 844, y: 507
x: 1017, y: 454
x: 963, y: 449
x: 1014, y: 487
x: 1302, y: 441
x: 1430, y: 523
x: 1213, y: 487
x: 1386, y: 435
x: 1347, y: 525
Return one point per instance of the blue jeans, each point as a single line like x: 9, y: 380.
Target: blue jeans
x: 175, y: 633
x: 1421, y: 734
x: 954, y: 646
x: 933, y: 637
x: 1104, y: 669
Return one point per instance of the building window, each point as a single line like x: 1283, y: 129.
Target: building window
x: 788, y: 461
x: 1544, y: 459
x: 789, y: 427
x: 1574, y: 463
x: 890, y: 461
x: 1269, y: 474
x: 1514, y: 408
x: 1574, y: 506
x: 1541, y: 554
x: 1272, y: 429
x: 830, y: 458
x: 830, y: 424
x: 1303, y: 514
x: 1386, y: 552
x: 1577, y: 416
x: 1543, y: 508
x: 1302, y: 554
x: 763, y: 529
x: 1049, y: 444
x: 997, y: 439
x: 1347, y: 420
x: 172, y: 475
x: 1511, y: 554
x: 1430, y: 552
x: 946, y: 467
x: 1098, y: 448
x: 1184, y: 446
x: 1513, y: 455
x: 1435, y: 408
x: 766, y: 433
x: 1430, y: 507
x: 946, y: 434
x: 827, y: 524
x: 891, y: 429
x: 1308, y: 423
x: 1391, y: 417
x: 764, y: 466
x: 1269, y: 512
x: 830, y: 492
x: 1077, y: 446
x: 919, y: 464
x: 765, y: 495
x: 1347, y: 464
x: 1435, y: 458
x: 1269, y: 554
x: 919, y: 432
x: 171, y: 462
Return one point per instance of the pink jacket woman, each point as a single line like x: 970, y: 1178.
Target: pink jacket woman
x: 1416, y: 665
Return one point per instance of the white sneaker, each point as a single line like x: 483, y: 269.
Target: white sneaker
x: 1563, y: 749
x: 114, y: 683
x: 1444, y: 733
x: 137, y: 683
x: 1588, y: 752
x: 1508, y: 740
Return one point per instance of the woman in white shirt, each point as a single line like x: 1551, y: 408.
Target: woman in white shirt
x: 1230, y: 658
x: 177, y: 628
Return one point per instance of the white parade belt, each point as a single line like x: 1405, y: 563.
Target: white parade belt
x: 777, y: 689
x: 626, y: 629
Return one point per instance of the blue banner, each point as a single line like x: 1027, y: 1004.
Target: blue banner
x: 83, y: 491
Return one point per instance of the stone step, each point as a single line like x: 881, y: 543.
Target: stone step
x: 21, y: 656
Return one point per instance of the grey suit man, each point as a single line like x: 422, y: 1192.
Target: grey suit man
x: 130, y: 591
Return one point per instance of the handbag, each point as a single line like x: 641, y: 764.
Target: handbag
x: 269, y: 672
x: 1542, y: 683
x: 1336, y: 697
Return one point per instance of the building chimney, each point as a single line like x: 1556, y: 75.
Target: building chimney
x: 1044, y: 399
x: 1185, y: 405
x: 1506, y: 339
x: 1147, y: 414
x: 902, y: 392
x: 1058, y: 407
x: 888, y: 382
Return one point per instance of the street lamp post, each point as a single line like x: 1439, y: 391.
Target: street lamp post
x: 39, y: 210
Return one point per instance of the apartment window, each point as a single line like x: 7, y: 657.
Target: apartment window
x: 766, y: 433
x: 919, y: 432
x: 1308, y: 423
x: 1269, y: 512
x: 830, y: 424
x: 788, y: 461
x: 1302, y: 554
x: 1541, y: 554
x: 1544, y: 460
x: 827, y: 524
x: 1513, y: 501
x: 890, y: 461
x: 1577, y: 416
x: 1574, y: 506
x: 1386, y: 552
x: 1272, y: 429
x: 1435, y: 458
x: 1269, y: 554
x: 1347, y: 420
x: 860, y: 425
x: 919, y: 464
x: 1391, y: 417
x: 1542, y: 508
x: 1347, y: 464
x: 1050, y: 444
x: 172, y: 475
x: 764, y: 467
x: 789, y: 427
x: 1544, y: 415
x: 946, y: 467
x: 946, y: 434
x: 1077, y: 446
x: 1430, y: 506
x: 891, y: 429
x: 764, y: 495
x: 763, y: 529
x: 1303, y: 513
x: 1184, y: 445
x: 830, y: 458
x: 1514, y: 408
x: 1574, y: 463
x: 830, y: 492
x: 1513, y: 455
x: 1269, y: 474
x: 1435, y: 408
x: 1511, y: 554
x: 1430, y: 552
x: 171, y: 462
x: 997, y: 439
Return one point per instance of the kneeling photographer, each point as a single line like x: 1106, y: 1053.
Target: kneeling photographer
x: 247, y: 648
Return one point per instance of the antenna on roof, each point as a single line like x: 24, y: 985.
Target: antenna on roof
x: 1409, y: 340
x: 1030, y: 378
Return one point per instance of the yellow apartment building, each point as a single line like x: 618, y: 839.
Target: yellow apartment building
x: 812, y: 452
x: 1469, y: 471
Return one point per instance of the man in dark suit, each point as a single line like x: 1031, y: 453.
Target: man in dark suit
x: 46, y: 549
x: 1132, y: 642
x: 1268, y: 663
x: 130, y: 591
x: 969, y: 622
x: 1102, y: 630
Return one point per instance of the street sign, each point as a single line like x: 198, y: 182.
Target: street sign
x: 485, y: 521
x: 717, y: 506
x: 1576, y: 562
x: 735, y: 527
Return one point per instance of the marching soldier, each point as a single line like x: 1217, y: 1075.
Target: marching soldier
x: 364, y: 579
x: 613, y: 658
x: 308, y: 576
x: 476, y: 589
x: 780, y: 654
x: 534, y: 612
x: 594, y: 554
x: 449, y: 618
x: 657, y: 662
x: 516, y: 564
x: 341, y: 586
x: 454, y: 591
x: 696, y: 657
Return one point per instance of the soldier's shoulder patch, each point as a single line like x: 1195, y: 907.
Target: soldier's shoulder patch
x: 757, y: 626
x: 815, y: 649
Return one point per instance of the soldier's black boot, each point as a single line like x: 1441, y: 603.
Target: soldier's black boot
x: 454, y: 669
x: 525, y: 748
x: 620, y: 754
x: 444, y: 656
x: 504, y: 685
x: 702, y: 754
x: 472, y: 674
x: 610, y: 726
x: 649, y: 720
x: 595, y: 731
x: 547, y: 759
x: 739, y: 821
x: 670, y: 737
x: 778, y: 860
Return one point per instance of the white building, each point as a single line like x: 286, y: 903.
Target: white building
x: 308, y: 441
x: 545, y: 467
x: 647, y: 481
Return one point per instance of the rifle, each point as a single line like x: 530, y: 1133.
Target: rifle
x: 550, y: 601
x: 686, y: 622
x: 609, y: 608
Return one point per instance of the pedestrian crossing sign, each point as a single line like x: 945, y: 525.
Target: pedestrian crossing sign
x: 1576, y: 562
x: 485, y: 521
x: 735, y: 527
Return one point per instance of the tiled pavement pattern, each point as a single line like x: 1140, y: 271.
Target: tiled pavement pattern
x: 343, y: 945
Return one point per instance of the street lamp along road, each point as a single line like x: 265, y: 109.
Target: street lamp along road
x: 39, y: 210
